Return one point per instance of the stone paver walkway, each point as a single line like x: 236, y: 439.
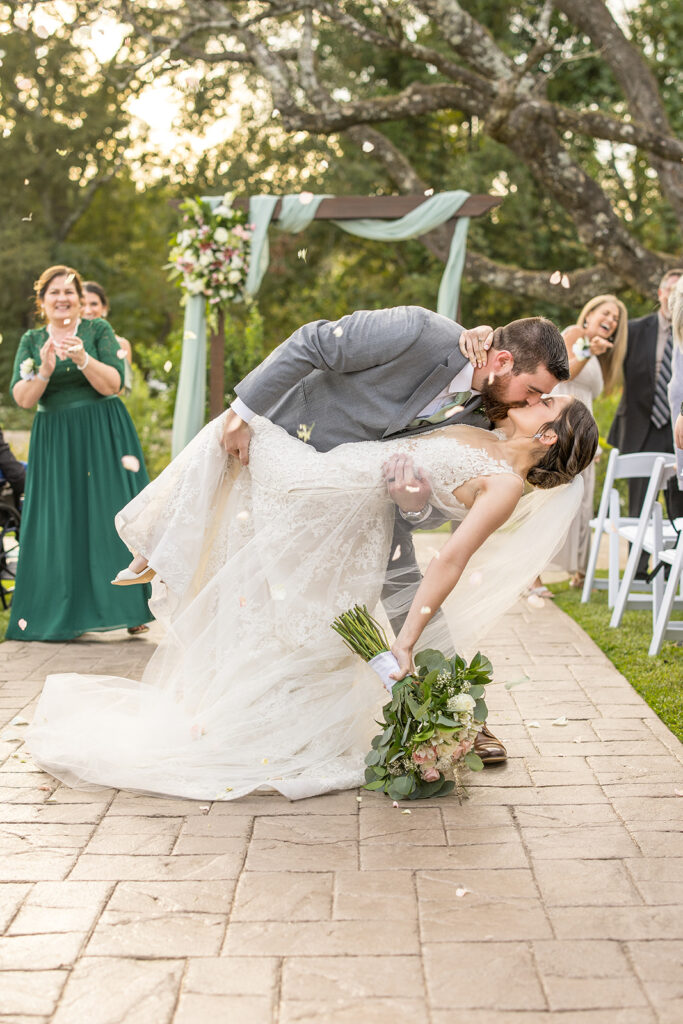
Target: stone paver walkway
x: 552, y: 895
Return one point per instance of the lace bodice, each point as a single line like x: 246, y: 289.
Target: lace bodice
x: 293, y: 466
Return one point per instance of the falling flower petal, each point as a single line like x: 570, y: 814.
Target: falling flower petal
x: 338, y: 331
x: 412, y: 490
x: 67, y: 280
x: 429, y: 191
x: 29, y: 218
x: 406, y: 811
x: 533, y: 725
x: 556, y: 277
x: 19, y: 721
x: 395, y: 803
x: 121, y: 353
x: 130, y: 462
x: 565, y: 281
x: 243, y: 515
x: 460, y: 892
x: 476, y: 578
x: 535, y: 601
x: 301, y: 254
x: 264, y: 761
x: 243, y: 602
x: 304, y: 432
x: 168, y: 366
x: 45, y: 789
x: 678, y: 792
x: 305, y: 198
x: 189, y: 335
x: 22, y: 624
x: 425, y: 610
x: 26, y: 181
x: 515, y: 682
x: 278, y: 592
x: 397, y: 553
x: 562, y: 720
x: 205, y: 808
x: 368, y: 146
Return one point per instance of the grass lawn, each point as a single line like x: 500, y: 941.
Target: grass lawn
x: 658, y: 680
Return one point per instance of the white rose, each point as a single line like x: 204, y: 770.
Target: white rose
x: 194, y: 287
x: 234, y: 277
x: 221, y: 210
x: 221, y: 236
x: 462, y: 702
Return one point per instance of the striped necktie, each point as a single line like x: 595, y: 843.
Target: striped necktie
x: 447, y: 410
x: 661, y: 413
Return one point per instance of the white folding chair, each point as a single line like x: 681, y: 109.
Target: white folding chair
x: 662, y: 628
x: 651, y: 534
x: 610, y: 520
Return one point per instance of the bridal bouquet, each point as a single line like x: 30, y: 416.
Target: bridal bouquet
x: 431, y: 721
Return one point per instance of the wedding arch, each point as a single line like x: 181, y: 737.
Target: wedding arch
x: 383, y: 218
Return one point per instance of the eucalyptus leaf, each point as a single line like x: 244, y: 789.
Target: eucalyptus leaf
x: 480, y: 711
x: 473, y: 761
x: 377, y: 784
x: 373, y: 757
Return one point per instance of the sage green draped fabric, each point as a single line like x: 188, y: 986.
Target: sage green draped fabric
x: 296, y: 214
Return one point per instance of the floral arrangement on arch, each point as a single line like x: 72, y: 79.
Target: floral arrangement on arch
x: 210, y: 254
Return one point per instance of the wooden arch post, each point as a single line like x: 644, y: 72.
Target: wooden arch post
x: 336, y: 208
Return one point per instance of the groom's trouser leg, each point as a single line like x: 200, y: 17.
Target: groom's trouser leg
x: 403, y: 573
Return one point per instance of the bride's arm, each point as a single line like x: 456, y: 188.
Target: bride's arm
x: 496, y: 498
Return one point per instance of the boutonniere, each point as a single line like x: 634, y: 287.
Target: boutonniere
x: 27, y: 369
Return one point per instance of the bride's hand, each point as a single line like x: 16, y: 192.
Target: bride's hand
x: 475, y: 343
x: 236, y: 437
x: 404, y: 656
x: 678, y: 431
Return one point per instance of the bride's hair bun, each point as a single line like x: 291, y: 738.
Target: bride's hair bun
x: 574, y: 450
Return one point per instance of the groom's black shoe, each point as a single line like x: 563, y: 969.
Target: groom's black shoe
x: 489, y: 748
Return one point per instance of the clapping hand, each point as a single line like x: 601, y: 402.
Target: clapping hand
x: 48, y: 358
x: 598, y: 345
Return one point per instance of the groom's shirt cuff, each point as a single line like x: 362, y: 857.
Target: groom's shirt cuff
x: 242, y: 410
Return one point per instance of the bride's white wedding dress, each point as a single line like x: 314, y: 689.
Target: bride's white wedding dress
x: 250, y: 687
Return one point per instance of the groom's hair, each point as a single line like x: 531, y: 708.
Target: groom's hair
x: 532, y: 342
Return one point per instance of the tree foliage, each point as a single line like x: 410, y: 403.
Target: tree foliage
x: 575, y: 107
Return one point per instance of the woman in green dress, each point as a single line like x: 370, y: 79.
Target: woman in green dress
x: 85, y: 463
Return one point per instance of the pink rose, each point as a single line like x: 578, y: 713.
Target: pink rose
x: 430, y: 774
x: 424, y: 754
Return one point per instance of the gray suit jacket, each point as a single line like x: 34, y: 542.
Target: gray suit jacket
x: 364, y: 377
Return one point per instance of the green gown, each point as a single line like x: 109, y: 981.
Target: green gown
x: 76, y: 483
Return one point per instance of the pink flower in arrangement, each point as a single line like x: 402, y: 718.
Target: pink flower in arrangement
x: 425, y: 754
x: 430, y: 774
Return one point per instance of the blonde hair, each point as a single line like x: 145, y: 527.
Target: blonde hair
x: 611, y: 361
x: 677, y: 313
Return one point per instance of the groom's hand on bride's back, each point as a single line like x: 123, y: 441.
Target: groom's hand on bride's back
x: 407, y: 484
x: 236, y: 437
x: 475, y: 344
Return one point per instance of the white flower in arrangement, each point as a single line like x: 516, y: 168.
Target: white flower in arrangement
x: 582, y: 348
x: 234, y: 276
x: 27, y: 369
x: 461, y: 703
x: 195, y: 287
x: 221, y: 235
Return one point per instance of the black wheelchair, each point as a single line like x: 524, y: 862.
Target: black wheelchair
x: 10, y: 525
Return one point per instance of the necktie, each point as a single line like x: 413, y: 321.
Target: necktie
x: 661, y: 413
x: 445, y: 412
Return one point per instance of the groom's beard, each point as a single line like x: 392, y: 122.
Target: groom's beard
x: 493, y: 399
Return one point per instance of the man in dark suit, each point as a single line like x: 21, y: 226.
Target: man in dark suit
x: 643, y: 419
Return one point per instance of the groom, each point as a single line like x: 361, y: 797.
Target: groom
x: 387, y: 373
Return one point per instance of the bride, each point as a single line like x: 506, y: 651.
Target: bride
x: 250, y: 687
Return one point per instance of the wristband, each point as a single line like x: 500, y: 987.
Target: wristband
x: 85, y: 363
x: 39, y: 375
